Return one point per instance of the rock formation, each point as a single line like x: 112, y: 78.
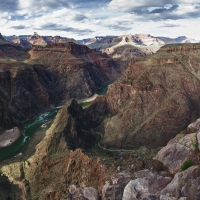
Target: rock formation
x: 23, y: 94
x: 54, y: 172
x: 49, y: 173
x: 103, y: 42
x: 32, y: 81
x: 71, y: 125
x: 155, y: 99
x: 36, y: 39
x: 187, y: 146
x: 77, y: 70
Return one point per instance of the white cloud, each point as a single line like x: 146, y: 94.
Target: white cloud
x: 129, y: 5
x: 134, y: 16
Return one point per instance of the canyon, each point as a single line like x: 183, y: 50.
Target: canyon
x: 155, y: 99
x: 131, y: 143
x: 43, y: 77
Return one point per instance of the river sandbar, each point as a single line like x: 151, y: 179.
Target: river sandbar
x: 9, y: 137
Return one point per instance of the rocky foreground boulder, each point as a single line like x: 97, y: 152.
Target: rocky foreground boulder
x: 156, y: 98
x: 178, y: 150
x: 184, y: 185
x: 173, y: 180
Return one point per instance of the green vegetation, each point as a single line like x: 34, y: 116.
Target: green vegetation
x: 186, y: 165
x: 183, y: 132
x: 196, y: 146
x: 85, y: 104
x: 98, y: 151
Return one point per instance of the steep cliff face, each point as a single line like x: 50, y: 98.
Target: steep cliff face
x: 54, y: 167
x: 23, y: 94
x: 77, y: 70
x: 155, y: 99
x: 32, y: 81
x: 70, y: 126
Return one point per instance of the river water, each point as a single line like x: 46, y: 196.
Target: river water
x: 28, y: 129
x: 31, y: 126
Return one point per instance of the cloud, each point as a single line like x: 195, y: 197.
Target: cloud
x: 9, y: 5
x: 169, y: 8
x: 19, y: 27
x: 119, y: 27
x: 169, y: 24
x: 158, y: 9
x: 58, y: 27
x: 121, y: 23
x: 89, y: 4
x: 79, y: 17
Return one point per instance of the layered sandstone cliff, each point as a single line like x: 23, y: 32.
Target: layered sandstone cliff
x: 154, y: 100
x: 35, y: 80
x: 77, y: 70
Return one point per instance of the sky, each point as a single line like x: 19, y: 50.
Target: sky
x: 81, y: 19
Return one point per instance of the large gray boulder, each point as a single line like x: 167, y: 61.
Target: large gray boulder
x: 156, y: 181
x: 177, y: 151
x: 87, y: 193
x: 138, y: 189
x: 185, y: 184
x: 113, y: 190
x: 147, y: 185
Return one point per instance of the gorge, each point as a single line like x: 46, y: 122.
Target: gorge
x: 106, y: 150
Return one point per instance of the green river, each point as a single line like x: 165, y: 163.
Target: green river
x: 31, y: 126
x: 28, y: 129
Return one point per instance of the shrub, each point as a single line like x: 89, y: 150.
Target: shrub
x: 186, y: 165
x: 196, y: 146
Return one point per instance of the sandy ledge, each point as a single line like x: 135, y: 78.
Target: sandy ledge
x: 9, y: 137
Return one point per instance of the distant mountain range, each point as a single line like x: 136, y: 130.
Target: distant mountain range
x: 123, y: 48
x: 35, y: 39
x: 137, y: 39
x: 100, y: 42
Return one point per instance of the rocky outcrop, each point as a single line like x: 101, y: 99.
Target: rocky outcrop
x: 49, y: 173
x: 23, y: 93
x: 184, y: 184
x: 114, y: 189
x: 8, y: 190
x: 194, y: 127
x: 31, y: 82
x: 87, y: 193
x: 146, y: 184
x: 180, y: 149
x: 70, y: 130
x: 54, y: 172
x: 155, y: 99
x: 77, y: 70
x: 137, y: 189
